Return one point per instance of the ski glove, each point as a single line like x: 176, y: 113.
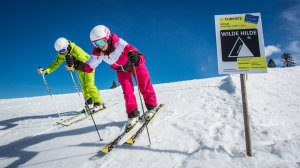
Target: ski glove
x: 74, y: 64
x: 41, y: 71
x: 133, y: 58
x: 70, y: 60
x: 69, y: 68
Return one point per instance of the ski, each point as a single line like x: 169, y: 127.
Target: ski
x: 115, y: 142
x: 132, y: 139
x: 73, y: 117
x: 86, y: 117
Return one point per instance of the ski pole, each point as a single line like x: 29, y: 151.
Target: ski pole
x: 79, y: 83
x: 137, y: 82
x: 75, y: 83
x: 78, y: 90
x: 84, y: 105
x: 51, y: 96
x: 80, y: 86
x: 85, y: 101
x: 82, y: 89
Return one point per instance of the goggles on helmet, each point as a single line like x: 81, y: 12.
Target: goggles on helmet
x: 100, y: 43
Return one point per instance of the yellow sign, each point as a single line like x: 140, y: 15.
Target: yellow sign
x: 235, y: 22
x: 251, y: 63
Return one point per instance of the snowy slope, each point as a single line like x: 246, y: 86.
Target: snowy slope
x: 200, y: 126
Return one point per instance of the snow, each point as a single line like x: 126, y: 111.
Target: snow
x: 201, y: 125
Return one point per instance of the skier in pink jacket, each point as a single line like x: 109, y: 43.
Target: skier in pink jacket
x: 121, y: 56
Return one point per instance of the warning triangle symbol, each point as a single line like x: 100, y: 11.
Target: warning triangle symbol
x: 240, y: 49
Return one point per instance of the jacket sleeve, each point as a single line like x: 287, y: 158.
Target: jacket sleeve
x: 88, y: 69
x: 79, y: 54
x: 56, y: 63
x: 83, y: 67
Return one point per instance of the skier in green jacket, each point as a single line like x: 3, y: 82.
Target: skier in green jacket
x: 66, y: 48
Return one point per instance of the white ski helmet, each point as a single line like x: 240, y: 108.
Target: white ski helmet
x: 99, y: 32
x: 61, y: 43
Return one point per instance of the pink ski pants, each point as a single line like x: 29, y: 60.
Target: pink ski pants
x: 145, y: 84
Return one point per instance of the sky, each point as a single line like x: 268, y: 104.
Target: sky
x: 176, y: 37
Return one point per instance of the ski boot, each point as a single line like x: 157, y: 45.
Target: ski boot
x: 97, y: 107
x: 133, y: 118
x: 151, y: 111
x: 88, y: 106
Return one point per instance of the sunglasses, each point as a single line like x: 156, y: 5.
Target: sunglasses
x: 101, y: 43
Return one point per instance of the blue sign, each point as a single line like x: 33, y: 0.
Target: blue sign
x: 251, y: 19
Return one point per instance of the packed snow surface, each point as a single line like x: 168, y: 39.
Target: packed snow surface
x: 201, y: 125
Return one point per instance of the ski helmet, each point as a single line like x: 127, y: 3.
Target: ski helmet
x: 61, y: 43
x: 99, y: 32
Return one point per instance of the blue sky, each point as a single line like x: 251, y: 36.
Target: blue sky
x: 176, y: 37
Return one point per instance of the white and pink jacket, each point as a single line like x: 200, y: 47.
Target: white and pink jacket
x: 116, y: 59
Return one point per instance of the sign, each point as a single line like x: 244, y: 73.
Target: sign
x: 235, y: 22
x: 239, y: 43
x: 252, y: 63
x: 239, y: 36
x: 251, y: 19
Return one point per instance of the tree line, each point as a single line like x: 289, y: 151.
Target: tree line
x: 286, y: 59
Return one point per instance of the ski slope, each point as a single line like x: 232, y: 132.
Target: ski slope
x: 201, y: 125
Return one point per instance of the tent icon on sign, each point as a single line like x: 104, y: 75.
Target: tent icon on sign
x: 240, y: 49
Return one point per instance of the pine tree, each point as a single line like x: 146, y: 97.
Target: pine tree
x: 271, y: 63
x: 114, y: 85
x: 287, y: 60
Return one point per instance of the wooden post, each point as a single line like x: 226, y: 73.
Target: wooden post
x: 246, y: 116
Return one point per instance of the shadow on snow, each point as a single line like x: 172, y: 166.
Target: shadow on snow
x: 10, y: 123
x: 16, y: 149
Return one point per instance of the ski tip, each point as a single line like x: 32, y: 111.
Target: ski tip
x: 129, y: 141
x: 162, y: 105
x: 104, y: 150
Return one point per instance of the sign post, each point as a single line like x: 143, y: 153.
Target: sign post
x: 246, y: 115
x: 240, y: 48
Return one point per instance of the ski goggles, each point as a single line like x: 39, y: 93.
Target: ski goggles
x: 62, y: 51
x: 100, y: 43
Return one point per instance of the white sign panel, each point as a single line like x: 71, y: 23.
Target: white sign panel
x: 240, y: 44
